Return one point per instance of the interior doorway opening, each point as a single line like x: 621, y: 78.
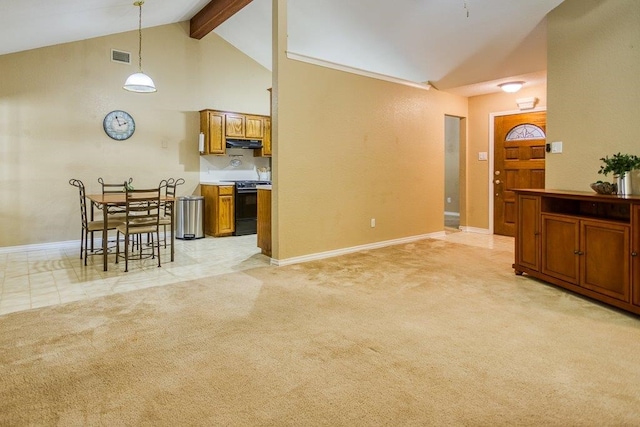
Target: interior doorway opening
x: 452, y: 137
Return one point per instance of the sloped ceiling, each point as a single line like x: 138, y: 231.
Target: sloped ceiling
x: 463, y: 46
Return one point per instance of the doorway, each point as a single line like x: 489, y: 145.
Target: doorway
x: 519, y: 142
x: 452, y: 135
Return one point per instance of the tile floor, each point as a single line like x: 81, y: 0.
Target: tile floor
x: 43, y: 277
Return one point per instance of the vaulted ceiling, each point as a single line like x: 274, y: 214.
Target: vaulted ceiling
x: 463, y: 46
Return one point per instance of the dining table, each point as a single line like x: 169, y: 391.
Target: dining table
x: 114, y: 200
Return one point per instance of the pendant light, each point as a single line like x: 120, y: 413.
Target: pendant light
x: 139, y: 82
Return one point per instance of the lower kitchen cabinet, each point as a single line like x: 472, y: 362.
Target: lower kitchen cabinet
x: 587, y: 243
x: 219, y: 214
x: 264, y: 221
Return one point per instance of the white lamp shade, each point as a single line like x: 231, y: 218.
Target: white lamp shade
x: 511, y: 87
x: 139, y: 82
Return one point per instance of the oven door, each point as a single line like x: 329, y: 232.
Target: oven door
x: 246, y: 207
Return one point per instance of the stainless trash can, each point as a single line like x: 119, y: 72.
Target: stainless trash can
x: 189, y: 216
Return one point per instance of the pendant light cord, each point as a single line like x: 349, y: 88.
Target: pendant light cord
x: 139, y: 4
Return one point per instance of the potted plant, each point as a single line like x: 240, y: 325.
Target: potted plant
x: 620, y: 165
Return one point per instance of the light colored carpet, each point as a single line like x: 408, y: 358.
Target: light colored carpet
x: 429, y: 333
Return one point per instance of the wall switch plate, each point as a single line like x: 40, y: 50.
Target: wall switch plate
x: 373, y: 222
x: 556, y: 147
x: 482, y: 155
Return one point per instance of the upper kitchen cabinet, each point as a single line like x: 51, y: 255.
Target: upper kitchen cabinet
x: 265, y: 151
x: 217, y: 126
x: 212, y: 124
x: 244, y: 126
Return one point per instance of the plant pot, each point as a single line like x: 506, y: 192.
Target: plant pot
x: 624, y: 184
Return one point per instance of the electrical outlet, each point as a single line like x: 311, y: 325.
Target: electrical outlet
x: 448, y: 199
x: 373, y: 222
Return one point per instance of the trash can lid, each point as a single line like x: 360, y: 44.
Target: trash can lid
x: 190, y: 198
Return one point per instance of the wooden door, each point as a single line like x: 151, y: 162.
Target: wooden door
x: 519, y: 152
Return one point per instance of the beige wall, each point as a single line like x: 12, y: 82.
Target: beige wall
x: 53, y: 101
x: 480, y: 109
x: 594, y: 87
x: 350, y: 148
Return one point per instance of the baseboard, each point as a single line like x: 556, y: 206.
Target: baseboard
x: 475, y: 230
x: 344, y: 251
x: 38, y: 246
x: 51, y: 245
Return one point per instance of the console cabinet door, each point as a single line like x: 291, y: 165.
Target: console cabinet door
x: 635, y: 255
x: 605, y: 263
x: 560, y: 246
x: 528, y: 232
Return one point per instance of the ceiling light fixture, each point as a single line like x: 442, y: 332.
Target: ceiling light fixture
x: 139, y: 82
x: 511, y: 87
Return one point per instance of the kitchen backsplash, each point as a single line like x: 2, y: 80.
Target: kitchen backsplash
x: 238, y: 164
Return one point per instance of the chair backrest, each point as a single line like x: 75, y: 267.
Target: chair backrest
x: 169, y: 187
x: 142, y: 208
x: 114, y: 188
x: 83, y: 200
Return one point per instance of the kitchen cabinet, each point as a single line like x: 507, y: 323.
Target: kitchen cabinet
x: 244, y: 126
x: 219, y: 214
x: 217, y: 126
x: 265, y: 151
x: 584, y: 242
x: 212, y: 124
x: 264, y: 221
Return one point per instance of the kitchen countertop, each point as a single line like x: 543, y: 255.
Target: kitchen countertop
x: 215, y: 183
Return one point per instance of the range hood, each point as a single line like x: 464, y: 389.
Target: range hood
x: 244, y: 143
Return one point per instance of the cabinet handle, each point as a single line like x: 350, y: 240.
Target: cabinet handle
x: 634, y: 253
x: 578, y: 252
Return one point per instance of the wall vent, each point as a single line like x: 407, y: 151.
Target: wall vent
x: 120, y: 56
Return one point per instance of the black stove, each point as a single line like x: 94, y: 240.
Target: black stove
x: 246, y: 206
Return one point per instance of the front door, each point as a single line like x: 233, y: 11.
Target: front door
x: 519, y: 151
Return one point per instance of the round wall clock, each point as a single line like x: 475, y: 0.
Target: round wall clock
x: 119, y: 125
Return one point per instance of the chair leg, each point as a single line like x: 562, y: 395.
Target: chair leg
x: 85, y: 250
x: 158, y: 235
x: 118, y: 245
x: 126, y: 254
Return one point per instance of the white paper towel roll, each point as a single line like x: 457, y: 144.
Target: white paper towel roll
x: 201, y: 142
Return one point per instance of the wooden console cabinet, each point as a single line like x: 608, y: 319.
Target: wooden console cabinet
x: 585, y: 242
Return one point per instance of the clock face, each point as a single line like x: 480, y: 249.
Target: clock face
x: 119, y: 125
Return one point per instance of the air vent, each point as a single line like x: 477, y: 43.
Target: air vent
x: 120, y: 56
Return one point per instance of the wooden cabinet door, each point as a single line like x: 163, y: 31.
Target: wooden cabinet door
x: 604, y: 254
x: 560, y: 246
x: 225, y: 216
x: 235, y: 125
x: 212, y: 125
x: 635, y: 255
x: 254, y: 127
x: 528, y: 232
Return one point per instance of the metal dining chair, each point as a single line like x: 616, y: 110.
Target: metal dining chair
x: 88, y: 226
x: 142, y: 216
x: 168, y: 186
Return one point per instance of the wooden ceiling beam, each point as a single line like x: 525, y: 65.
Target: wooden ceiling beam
x: 212, y: 15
